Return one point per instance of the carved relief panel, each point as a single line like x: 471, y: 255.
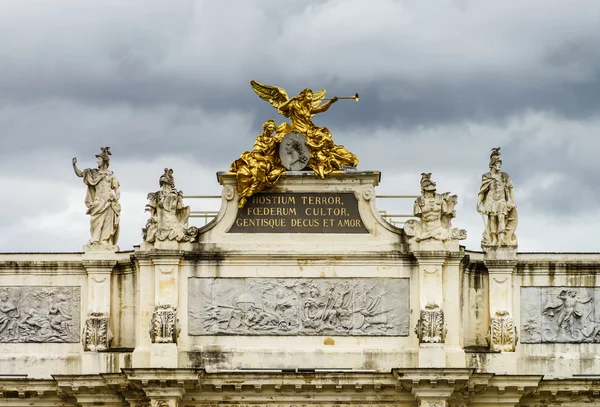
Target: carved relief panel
x: 39, y: 314
x: 287, y: 306
x: 560, y: 314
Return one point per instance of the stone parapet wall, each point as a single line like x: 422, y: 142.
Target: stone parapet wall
x: 342, y: 300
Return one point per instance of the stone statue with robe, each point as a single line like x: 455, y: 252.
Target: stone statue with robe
x: 102, y: 201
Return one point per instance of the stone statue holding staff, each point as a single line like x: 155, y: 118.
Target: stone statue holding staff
x: 496, y: 201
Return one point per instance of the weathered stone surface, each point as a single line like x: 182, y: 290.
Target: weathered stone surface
x: 559, y: 314
x: 287, y: 306
x: 39, y: 314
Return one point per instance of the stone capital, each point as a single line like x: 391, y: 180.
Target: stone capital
x: 436, y: 257
x: 98, y: 266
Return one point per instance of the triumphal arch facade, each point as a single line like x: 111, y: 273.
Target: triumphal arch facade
x: 299, y: 293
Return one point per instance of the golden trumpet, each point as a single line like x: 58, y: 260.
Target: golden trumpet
x: 355, y: 97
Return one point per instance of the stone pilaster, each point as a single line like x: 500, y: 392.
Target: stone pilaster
x: 96, y: 329
x: 431, y: 325
x: 439, y: 301
x: 501, y: 263
x: 452, y: 280
x: 145, y: 307
x: 163, y: 325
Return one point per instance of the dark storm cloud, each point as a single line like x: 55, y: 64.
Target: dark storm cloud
x: 425, y: 64
x: 441, y: 82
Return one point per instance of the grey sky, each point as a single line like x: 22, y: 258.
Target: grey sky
x: 167, y: 84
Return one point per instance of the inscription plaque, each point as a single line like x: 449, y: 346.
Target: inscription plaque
x: 39, y: 314
x: 300, y: 213
x: 560, y: 314
x: 290, y: 306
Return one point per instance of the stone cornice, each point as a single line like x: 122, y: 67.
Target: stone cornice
x: 195, y: 386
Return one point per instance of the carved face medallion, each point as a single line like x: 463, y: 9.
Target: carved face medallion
x: 294, y: 152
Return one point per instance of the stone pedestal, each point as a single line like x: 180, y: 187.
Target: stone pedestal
x: 501, y: 263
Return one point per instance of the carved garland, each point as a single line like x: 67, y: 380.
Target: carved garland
x: 163, y: 324
x: 95, y: 332
x: 502, y: 332
x: 430, y: 328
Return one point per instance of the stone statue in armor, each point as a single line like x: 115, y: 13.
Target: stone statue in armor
x: 168, y: 216
x: 435, y: 212
x: 496, y: 201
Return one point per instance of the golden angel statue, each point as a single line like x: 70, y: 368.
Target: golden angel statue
x: 260, y: 167
x: 325, y: 155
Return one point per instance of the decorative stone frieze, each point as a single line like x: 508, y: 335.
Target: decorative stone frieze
x: 163, y: 326
x: 39, y: 314
x: 430, y: 327
x: 288, y: 306
x: 96, y: 332
x: 560, y: 314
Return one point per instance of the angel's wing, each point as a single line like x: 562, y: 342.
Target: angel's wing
x: 318, y: 98
x: 272, y: 94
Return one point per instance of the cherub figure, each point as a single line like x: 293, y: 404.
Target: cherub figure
x: 301, y: 109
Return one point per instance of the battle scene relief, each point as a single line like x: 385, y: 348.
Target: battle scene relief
x: 39, y: 314
x: 287, y: 306
x: 560, y: 314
